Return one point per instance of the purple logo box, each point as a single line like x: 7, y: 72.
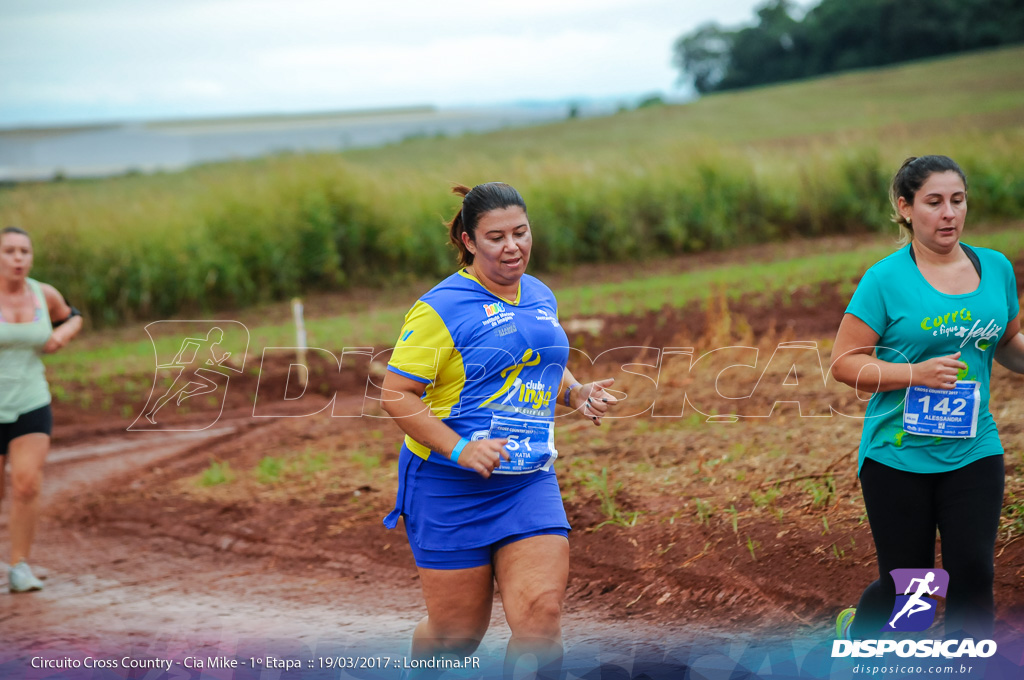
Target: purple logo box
x: 915, y: 606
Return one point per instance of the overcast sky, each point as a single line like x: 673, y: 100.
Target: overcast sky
x: 92, y: 60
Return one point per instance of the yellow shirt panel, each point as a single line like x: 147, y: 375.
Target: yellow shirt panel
x: 426, y: 353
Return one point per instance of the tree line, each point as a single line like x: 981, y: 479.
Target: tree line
x: 838, y: 35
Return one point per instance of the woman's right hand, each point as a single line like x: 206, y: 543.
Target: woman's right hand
x: 939, y: 373
x: 483, y: 455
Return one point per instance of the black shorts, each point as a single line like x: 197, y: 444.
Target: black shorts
x: 33, y: 422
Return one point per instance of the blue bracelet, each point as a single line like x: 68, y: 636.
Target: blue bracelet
x: 458, y: 449
x: 568, y: 390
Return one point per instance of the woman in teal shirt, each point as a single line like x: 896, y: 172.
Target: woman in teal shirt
x: 34, y: 320
x: 920, y: 333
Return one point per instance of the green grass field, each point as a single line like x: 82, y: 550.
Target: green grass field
x: 372, y: 319
x: 804, y: 159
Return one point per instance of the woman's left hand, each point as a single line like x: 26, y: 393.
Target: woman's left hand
x: 593, y: 399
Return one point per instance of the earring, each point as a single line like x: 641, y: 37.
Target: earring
x: 908, y: 221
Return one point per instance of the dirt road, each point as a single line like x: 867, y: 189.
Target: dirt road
x: 699, y: 546
x: 111, y: 599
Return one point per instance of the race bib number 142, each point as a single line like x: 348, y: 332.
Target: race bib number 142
x: 943, y: 413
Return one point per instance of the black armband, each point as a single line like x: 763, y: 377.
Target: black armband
x: 74, y: 313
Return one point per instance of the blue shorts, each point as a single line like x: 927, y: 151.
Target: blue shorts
x: 456, y: 519
x: 471, y: 557
x: 37, y: 421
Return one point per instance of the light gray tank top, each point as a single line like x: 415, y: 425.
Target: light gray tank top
x: 23, y: 385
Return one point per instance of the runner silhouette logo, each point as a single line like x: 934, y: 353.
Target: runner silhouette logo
x: 195, y: 361
x: 914, y: 610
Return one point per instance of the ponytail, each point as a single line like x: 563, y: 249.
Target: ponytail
x: 456, y: 226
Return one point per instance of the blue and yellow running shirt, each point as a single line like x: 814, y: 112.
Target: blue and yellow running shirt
x: 915, y: 323
x: 480, y: 355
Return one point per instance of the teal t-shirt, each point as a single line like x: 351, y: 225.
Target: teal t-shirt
x: 915, y: 323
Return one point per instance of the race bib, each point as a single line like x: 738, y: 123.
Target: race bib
x: 531, y: 444
x: 943, y: 413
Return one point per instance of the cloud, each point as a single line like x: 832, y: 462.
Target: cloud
x: 233, y: 55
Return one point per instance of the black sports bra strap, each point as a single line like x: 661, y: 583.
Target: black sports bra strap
x: 971, y: 255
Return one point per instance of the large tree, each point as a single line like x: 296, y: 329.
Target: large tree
x: 704, y: 56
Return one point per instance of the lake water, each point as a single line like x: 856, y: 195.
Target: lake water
x: 98, y: 150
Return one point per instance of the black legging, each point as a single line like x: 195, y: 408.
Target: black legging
x: 904, y: 509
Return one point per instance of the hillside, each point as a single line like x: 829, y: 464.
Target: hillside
x: 804, y: 159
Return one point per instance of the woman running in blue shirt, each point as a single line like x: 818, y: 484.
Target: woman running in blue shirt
x: 473, y: 382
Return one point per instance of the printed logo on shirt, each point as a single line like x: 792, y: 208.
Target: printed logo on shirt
x: 546, y: 315
x: 497, y: 316
x: 526, y: 397
x: 936, y: 323
x: 982, y: 337
x: 507, y: 329
x: 953, y: 323
x: 532, y: 397
x: 405, y: 335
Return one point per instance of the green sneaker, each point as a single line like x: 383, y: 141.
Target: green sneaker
x: 843, y: 623
x: 22, y: 580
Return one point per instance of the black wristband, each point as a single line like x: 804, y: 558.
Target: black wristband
x: 74, y: 313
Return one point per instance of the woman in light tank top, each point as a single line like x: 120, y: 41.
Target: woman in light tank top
x: 34, y: 320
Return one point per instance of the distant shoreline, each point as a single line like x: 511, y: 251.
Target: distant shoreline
x: 225, y: 121
x: 32, y: 154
